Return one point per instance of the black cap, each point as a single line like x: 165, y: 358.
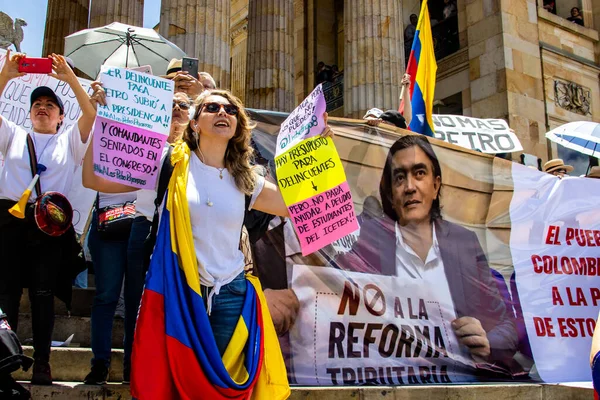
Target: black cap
x: 46, y: 91
x: 394, y: 118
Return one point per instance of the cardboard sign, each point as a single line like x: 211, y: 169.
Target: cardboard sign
x: 131, y: 130
x: 486, y: 135
x: 304, y: 122
x: 312, y: 179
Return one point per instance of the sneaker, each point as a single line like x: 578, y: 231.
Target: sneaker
x: 98, y: 374
x: 42, y: 374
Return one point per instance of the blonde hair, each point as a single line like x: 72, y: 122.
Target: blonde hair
x: 239, y: 154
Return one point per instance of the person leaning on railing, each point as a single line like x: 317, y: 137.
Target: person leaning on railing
x: 29, y: 257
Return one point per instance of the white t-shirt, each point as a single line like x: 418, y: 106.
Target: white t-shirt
x: 60, y: 153
x: 217, y: 227
x: 431, y: 274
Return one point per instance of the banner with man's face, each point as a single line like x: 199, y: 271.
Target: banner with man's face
x: 466, y: 267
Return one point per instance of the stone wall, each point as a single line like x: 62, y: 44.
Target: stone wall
x: 63, y: 18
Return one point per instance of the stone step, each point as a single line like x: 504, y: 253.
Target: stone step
x: 73, y: 390
x: 64, y: 326
x: 81, y: 305
x: 71, y: 364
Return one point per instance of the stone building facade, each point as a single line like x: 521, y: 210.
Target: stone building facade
x: 510, y: 59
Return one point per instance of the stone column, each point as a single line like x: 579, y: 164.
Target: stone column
x: 374, y: 55
x: 239, y: 53
x: 270, y: 66
x: 63, y: 18
x: 201, y: 29
x: 104, y: 12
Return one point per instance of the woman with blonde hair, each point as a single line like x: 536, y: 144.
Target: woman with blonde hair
x: 196, y: 286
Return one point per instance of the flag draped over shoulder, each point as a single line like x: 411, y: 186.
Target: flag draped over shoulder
x: 175, y: 355
x: 422, y: 68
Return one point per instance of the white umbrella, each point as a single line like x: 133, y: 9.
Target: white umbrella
x: 581, y: 136
x: 120, y: 45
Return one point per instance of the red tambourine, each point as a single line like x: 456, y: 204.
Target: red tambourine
x: 53, y: 213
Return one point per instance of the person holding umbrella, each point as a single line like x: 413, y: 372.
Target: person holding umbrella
x: 29, y: 256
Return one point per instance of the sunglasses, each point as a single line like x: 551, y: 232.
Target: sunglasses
x: 214, y: 108
x: 182, y: 105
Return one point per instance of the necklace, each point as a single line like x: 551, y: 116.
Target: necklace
x: 39, y: 159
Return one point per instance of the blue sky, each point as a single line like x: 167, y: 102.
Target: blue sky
x: 34, y: 12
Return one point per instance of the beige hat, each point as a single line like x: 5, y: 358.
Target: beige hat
x: 174, y: 66
x: 555, y: 164
x: 594, y: 173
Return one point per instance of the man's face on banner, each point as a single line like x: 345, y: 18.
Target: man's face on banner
x: 414, y: 187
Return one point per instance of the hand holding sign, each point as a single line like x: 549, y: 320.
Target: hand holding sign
x: 311, y: 177
x: 133, y: 123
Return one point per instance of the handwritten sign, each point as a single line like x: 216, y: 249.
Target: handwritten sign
x: 312, y: 179
x: 304, y: 122
x: 486, y: 135
x: 131, y: 130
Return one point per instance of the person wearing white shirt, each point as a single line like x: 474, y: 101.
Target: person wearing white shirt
x: 29, y: 257
x: 415, y: 243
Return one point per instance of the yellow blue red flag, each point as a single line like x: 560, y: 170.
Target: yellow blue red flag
x: 422, y: 68
x: 175, y: 355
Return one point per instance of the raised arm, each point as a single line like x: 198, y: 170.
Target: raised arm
x: 63, y: 72
x: 406, y: 98
x: 270, y: 200
x: 92, y: 181
x: 10, y: 71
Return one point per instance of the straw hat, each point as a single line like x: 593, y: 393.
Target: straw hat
x: 594, y: 173
x: 174, y: 66
x: 555, y: 164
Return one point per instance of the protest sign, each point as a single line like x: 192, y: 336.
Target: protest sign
x: 485, y: 135
x: 373, y: 329
x: 311, y: 177
x: 555, y: 236
x: 131, y: 130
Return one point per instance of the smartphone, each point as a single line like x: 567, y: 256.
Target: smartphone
x: 190, y: 65
x: 35, y: 65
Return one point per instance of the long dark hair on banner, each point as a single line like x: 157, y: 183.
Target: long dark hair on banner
x: 385, y: 186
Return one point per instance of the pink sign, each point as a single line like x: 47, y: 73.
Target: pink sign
x: 127, y: 154
x: 324, y: 218
x: 304, y: 122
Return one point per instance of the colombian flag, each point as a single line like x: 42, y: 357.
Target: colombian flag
x: 175, y: 355
x: 422, y: 69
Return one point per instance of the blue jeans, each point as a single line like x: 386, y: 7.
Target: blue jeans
x: 110, y: 262
x: 134, y: 281
x: 226, y: 309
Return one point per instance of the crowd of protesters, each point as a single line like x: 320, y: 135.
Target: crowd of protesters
x: 223, y: 188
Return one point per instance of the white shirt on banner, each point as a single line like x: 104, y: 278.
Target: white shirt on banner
x: 431, y: 274
x: 61, y: 153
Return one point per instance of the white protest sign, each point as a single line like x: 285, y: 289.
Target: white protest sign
x: 131, y: 130
x: 357, y: 328
x: 554, y: 241
x: 486, y: 135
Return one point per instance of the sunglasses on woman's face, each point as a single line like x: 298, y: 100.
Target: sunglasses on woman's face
x: 214, y: 108
x: 182, y: 105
